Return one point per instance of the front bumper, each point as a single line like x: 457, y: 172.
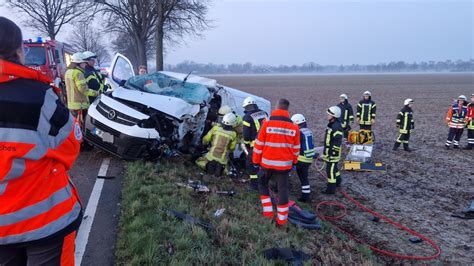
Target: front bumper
x: 124, y: 146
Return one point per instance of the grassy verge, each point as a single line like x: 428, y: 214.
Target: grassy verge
x: 241, y: 235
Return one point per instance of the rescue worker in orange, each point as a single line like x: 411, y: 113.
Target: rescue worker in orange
x: 470, y: 124
x: 40, y: 211
x: 455, y: 118
x: 276, y: 150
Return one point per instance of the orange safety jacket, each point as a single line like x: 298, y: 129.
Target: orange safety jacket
x: 278, y: 143
x: 470, y: 116
x: 39, y: 141
x: 456, y: 116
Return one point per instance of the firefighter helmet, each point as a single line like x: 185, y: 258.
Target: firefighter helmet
x: 89, y: 55
x: 77, y: 58
x: 367, y: 93
x: 462, y: 97
x: 408, y: 101
x: 248, y: 101
x: 298, y: 119
x: 225, y: 109
x: 229, y: 119
x: 334, y: 111
x: 343, y: 96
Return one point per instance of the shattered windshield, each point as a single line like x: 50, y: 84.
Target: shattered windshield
x: 158, y: 83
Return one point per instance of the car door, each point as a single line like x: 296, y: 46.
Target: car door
x: 121, y: 69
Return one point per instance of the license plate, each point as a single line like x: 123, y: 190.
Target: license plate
x: 105, y: 136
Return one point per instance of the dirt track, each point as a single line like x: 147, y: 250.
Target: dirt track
x: 422, y: 188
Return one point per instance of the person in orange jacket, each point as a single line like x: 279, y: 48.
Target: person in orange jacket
x: 470, y: 124
x: 276, y: 151
x: 455, y: 118
x: 40, y: 210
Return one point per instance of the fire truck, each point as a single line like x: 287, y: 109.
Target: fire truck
x: 51, y: 58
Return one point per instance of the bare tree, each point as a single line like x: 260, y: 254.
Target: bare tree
x: 125, y: 45
x: 87, y: 38
x: 178, y: 19
x: 160, y: 20
x: 135, y: 18
x: 49, y: 16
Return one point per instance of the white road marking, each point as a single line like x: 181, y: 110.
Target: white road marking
x: 86, y: 226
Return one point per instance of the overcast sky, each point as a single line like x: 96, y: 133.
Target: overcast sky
x: 330, y: 32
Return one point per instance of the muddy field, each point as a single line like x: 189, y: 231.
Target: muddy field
x: 421, y: 189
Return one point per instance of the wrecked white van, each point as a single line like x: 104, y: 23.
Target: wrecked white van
x: 143, y: 115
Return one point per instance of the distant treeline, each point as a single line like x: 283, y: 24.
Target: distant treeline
x: 249, y: 68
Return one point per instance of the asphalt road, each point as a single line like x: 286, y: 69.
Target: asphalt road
x: 100, y: 248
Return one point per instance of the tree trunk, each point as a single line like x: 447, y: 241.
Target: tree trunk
x: 141, y: 52
x: 159, y: 35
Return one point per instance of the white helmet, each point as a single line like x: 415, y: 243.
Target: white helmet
x: 225, y: 110
x: 408, y: 101
x: 367, y: 93
x: 298, y: 119
x: 77, y: 58
x: 334, y: 111
x: 229, y: 119
x: 89, y: 55
x: 462, y: 97
x: 248, y: 101
x: 343, y: 96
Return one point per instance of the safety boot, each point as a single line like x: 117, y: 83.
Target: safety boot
x: 330, y: 189
x: 468, y: 147
x: 406, y: 148
x: 305, y: 197
x: 456, y: 147
x: 338, y: 181
x: 395, y: 146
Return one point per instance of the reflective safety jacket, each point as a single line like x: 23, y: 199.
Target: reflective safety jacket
x: 405, y: 120
x: 77, y: 90
x: 307, y: 151
x: 278, y: 144
x: 456, y: 116
x: 366, y: 110
x: 347, y: 114
x: 470, y: 116
x: 95, y: 80
x: 333, y: 142
x: 223, y: 140
x: 252, y: 122
x: 39, y: 141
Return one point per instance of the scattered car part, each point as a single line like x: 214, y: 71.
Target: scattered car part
x: 195, y: 185
x: 188, y: 218
x: 230, y: 193
x: 415, y: 240
x: 219, y: 212
x: 289, y: 255
x: 364, y: 167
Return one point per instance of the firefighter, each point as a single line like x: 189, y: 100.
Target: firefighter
x: 406, y: 124
x: 223, y: 110
x: 332, y: 149
x: 470, y: 124
x: 77, y: 89
x: 95, y: 80
x: 223, y: 140
x: 347, y: 114
x: 366, y: 110
x: 252, y: 122
x: 306, y: 157
x: 276, y: 150
x: 455, y: 119
x: 40, y: 211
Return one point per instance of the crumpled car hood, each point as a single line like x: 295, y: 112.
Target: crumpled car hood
x: 174, y: 107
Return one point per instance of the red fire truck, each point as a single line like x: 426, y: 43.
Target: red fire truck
x: 50, y: 57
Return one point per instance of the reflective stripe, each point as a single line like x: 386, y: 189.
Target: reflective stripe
x: 296, y: 153
x: 3, y: 187
x: 297, y: 147
x: 277, y: 163
x: 268, y: 209
x: 38, y: 208
x: 266, y: 200
x: 245, y: 123
x: 282, y: 209
x: 303, y: 187
x: 281, y: 131
x: 257, y: 151
x: 306, y: 191
x: 258, y: 142
x: 253, y: 176
x: 282, y: 217
x: 278, y: 145
x: 17, y: 169
x: 46, y: 230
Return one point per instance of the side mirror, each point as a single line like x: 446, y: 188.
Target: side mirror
x: 122, y: 83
